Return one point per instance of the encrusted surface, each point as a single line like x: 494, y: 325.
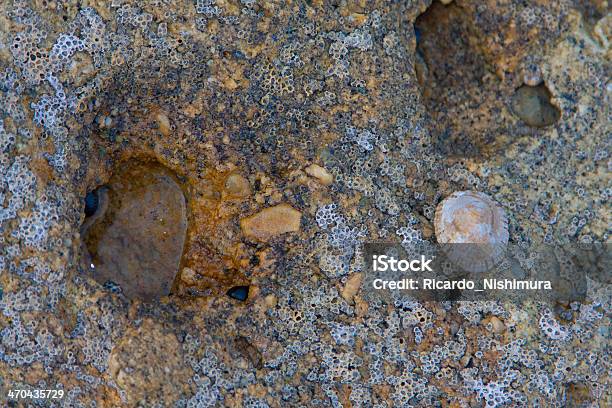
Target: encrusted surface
x: 239, y: 100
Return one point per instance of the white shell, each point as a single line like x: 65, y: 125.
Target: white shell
x: 471, y: 217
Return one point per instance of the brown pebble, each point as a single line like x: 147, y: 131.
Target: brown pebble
x: 138, y: 242
x: 237, y: 186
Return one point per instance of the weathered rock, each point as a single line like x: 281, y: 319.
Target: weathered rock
x: 265, y: 89
x: 159, y: 378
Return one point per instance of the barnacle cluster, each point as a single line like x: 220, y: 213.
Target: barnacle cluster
x: 294, y: 133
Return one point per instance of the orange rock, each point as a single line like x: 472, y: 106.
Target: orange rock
x: 271, y: 222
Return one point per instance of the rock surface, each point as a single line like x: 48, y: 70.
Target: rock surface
x: 402, y: 103
x: 146, y: 384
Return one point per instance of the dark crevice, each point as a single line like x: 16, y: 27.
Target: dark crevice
x: 91, y: 203
x: 239, y: 293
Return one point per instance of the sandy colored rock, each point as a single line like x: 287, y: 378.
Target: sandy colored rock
x: 351, y: 287
x: 271, y: 222
x: 318, y: 172
x: 188, y: 276
x: 497, y: 325
x: 271, y: 300
x: 237, y: 186
x: 163, y: 123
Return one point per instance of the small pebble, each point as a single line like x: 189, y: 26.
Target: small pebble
x: 163, y: 123
x: 351, y: 287
x: 239, y: 293
x: 498, y: 326
x: 237, y: 186
x: 188, y: 276
x: 318, y: 172
x: 271, y: 222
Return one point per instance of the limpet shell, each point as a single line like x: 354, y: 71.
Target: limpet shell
x: 472, y: 229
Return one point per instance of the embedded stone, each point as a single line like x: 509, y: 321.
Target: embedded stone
x: 138, y: 241
x: 497, y: 325
x: 237, y: 186
x: 163, y: 123
x: 318, y: 172
x: 271, y: 222
x: 352, y: 286
x: 188, y: 276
